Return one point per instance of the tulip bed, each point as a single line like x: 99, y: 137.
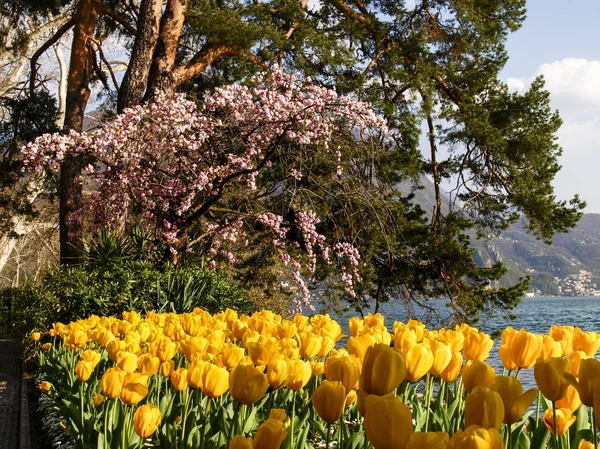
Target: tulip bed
x: 226, y: 381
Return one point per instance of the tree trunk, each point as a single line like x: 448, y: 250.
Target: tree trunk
x: 134, y: 83
x: 78, y: 92
x: 161, y: 72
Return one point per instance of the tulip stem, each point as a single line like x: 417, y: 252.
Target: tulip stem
x: 537, y: 408
x: 555, y: 428
x: 185, y: 413
x: 595, y: 430
x: 236, y: 409
x: 517, y: 373
x: 327, y: 436
x: 81, y: 409
x: 105, y: 436
x: 428, y: 382
x: 293, y: 419
x: 341, y: 439
x: 508, y: 438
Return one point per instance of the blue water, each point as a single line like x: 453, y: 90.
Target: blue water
x: 535, y: 315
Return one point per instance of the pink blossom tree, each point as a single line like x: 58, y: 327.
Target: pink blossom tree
x: 201, y: 176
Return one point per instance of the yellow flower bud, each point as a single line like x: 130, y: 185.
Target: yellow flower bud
x: 419, y: 360
x: 270, y: 434
x: 299, y: 373
x: 146, y: 420
x: 583, y: 444
x: 383, y: 370
x: 215, y: 381
x: 135, y: 388
x: 247, y: 384
x: 179, y: 379
x: 329, y: 400
x: 148, y: 364
x: 277, y: 372
x: 344, y: 371
x: 35, y: 336
x: 166, y: 368
x: 515, y: 401
x: 450, y: 374
x: 98, y: 399
x: 112, y: 382
x: 484, y: 408
x: 475, y: 437
x: 564, y: 420
x: 525, y: 348
x: 477, y: 346
x: 477, y: 373
x: 46, y: 386
x: 549, y: 376
x: 127, y: 361
x: 388, y: 422
x: 84, y: 370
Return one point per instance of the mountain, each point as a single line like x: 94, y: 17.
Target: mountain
x: 571, y: 265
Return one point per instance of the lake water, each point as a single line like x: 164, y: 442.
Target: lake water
x: 535, y: 315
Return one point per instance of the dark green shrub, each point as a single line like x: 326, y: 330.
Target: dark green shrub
x: 69, y: 293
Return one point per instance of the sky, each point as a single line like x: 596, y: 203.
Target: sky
x: 560, y: 40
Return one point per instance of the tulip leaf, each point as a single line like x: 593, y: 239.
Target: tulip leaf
x: 540, y: 437
x: 357, y: 440
x: 250, y: 421
x: 302, y: 437
x: 582, y: 421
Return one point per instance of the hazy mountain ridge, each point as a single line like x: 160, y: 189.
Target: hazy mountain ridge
x: 550, y: 266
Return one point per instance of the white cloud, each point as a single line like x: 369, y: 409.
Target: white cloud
x: 574, y: 85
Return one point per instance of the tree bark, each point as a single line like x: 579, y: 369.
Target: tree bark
x: 161, y: 72
x: 78, y: 92
x: 136, y: 77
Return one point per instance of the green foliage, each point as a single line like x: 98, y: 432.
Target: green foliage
x: 69, y: 293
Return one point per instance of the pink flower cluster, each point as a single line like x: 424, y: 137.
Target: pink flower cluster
x: 170, y: 162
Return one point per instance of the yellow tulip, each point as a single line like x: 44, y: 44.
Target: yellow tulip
x: 351, y: 397
x: 270, y: 435
x: 572, y: 401
x: 356, y: 325
x: 359, y: 345
x: 525, y: 348
x: 310, y: 344
x: 575, y: 358
x: 477, y: 373
x: 215, y: 381
x: 259, y: 353
x: 241, y: 442
x: 563, y: 335
x: 588, y: 342
x: 112, y: 382
x: 84, y: 370
x: 277, y: 372
x: 442, y: 356
x: 428, y: 440
x: 127, y: 361
x: 564, y: 420
x: 383, y: 370
x: 484, y: 408
x: 280, y: 415
x: 35, y: 336
x: 46, y: 386
x: 477, y: 346
x: 166, y: 368
x: 549, y: 376
x: 515, y: 401
x: 329, y: 400
x: 46, y: 346
x: 148, y: 364
x: 550, y: 348
x: 450, y: 374
x: 247, y: 384
x: 166, y: 349
x: 506, y: 358
x: 232, y: 355
x: 195, y: 372
x: 475, y: 437
x: 419, y: 360
x: 583, y: 444
x: 179, y: 379
x: 98, y: 399
x: 388, y: 422
x: 344, y: 371
x: 299, y: 373
x: 146, y: 420
x: 135, y: 388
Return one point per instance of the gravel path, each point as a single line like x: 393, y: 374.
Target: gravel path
x: 10, y: 392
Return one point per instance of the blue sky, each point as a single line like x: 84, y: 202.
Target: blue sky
x: 560, y: 40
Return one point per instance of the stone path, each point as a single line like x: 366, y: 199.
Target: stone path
x: 10, y: 392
